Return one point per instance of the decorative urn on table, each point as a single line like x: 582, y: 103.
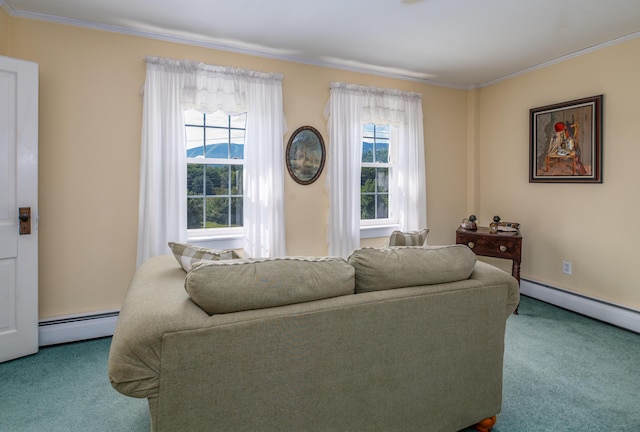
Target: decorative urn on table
x: 470, y: 223
x: 493, y: 226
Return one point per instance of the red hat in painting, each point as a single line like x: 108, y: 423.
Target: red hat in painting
x: 559, y: 127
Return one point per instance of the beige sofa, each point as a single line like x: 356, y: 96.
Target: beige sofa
x: 393, y: 339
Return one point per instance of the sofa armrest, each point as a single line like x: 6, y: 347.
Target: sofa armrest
x: 491, y: 275
x: 155, y: 303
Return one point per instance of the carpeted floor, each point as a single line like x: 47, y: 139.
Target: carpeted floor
x: 567, y: 372
x: 562, y: 372
x: 65, y: 388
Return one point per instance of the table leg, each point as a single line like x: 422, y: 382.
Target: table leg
x: 515, y: 272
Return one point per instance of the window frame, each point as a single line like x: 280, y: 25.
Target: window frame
x: 224, y: 237
x: 382, y: 227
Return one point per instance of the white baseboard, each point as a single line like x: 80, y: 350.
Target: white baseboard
x: 90, y: 326
x: 619, y: 316
x: 74, y: 328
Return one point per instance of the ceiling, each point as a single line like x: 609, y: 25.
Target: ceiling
x: 457, y: 43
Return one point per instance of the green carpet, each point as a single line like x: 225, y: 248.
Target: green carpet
x: 563, y: 372
x: 566, y: 372
x: 65, y: 388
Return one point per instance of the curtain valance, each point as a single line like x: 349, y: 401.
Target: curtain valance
x: 378, y: 105
x: 209, y: 88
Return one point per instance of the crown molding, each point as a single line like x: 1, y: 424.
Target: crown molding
x: 377, y: 71
x: 165, y: 37
x: 563, y: 58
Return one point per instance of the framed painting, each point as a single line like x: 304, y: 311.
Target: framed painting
x: 305, y: 155
x: 566, y: 142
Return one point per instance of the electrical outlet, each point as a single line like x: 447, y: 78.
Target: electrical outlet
x: 566, y: 267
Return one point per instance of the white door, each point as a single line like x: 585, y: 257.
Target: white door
x: 18, y: 192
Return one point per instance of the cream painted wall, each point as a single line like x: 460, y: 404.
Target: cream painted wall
x: 90, y: 119
x: 4, y: 32
x: 591, y: 225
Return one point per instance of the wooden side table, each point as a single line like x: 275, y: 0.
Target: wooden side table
x: 503, y: 244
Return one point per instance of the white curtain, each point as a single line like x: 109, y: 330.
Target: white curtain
x: 264, y: 219
x: 162, y: 212
x: 345, y: 120
x: 171, y: 86
x: 349, y: 108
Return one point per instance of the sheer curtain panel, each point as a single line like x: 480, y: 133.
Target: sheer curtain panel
x: 348, y: 109
x: 162, y: 212
x: 171, y: 86
x: 264, y: 218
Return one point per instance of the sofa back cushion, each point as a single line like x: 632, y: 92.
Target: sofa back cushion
x: 398, y: 267
x: 236, y: 285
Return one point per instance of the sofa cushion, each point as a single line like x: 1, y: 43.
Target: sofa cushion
x: 397, y: 267
x: 188, y: 255
x: 235, y: 285
x: 410, y: 238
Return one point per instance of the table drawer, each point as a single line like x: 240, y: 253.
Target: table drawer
x: 498, y: 247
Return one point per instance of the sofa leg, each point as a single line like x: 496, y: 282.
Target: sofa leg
x: 485, y: 425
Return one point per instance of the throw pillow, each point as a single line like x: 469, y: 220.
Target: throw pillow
x: 407, y: 266
x: 237, y: 285
x: 188, y: 255
x: 411, y: 238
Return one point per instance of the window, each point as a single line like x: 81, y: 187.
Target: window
x: 215, y: 165
x: 236, y: 199
x: 376, y: 176
x: 401, y: 172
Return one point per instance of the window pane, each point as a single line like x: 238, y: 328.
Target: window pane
x: 367, y: 206
x: 194, y: 213
x: 369, y: 130
x: 217, y: 135
x: 383, y: 206
x: 382, y: 132
x: 382, y: 152
x: 195, y: 141
x: 195, y: 177
x: 367, y: 151
x: 236, y: 179
x: 237, y: 144
x: 239, y: 121
x: 217, y: 182
x: 236, y: 212
x: 217, y: 212
x: 192, y: 117
x: 382, y: 179
x: 217, y: 143
x: 368, y: 180
x: 217, y: 118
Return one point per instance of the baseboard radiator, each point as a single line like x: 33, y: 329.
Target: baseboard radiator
x: 616, y: 315
x: 79, y: 327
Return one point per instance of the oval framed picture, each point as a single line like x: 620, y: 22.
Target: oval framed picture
x: 305, y: 155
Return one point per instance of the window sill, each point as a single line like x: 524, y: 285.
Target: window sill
x: 374, y: 231
x: 230, y: 241
x: 236, y: 241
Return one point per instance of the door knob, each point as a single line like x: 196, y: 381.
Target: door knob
x: 24, y: 214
